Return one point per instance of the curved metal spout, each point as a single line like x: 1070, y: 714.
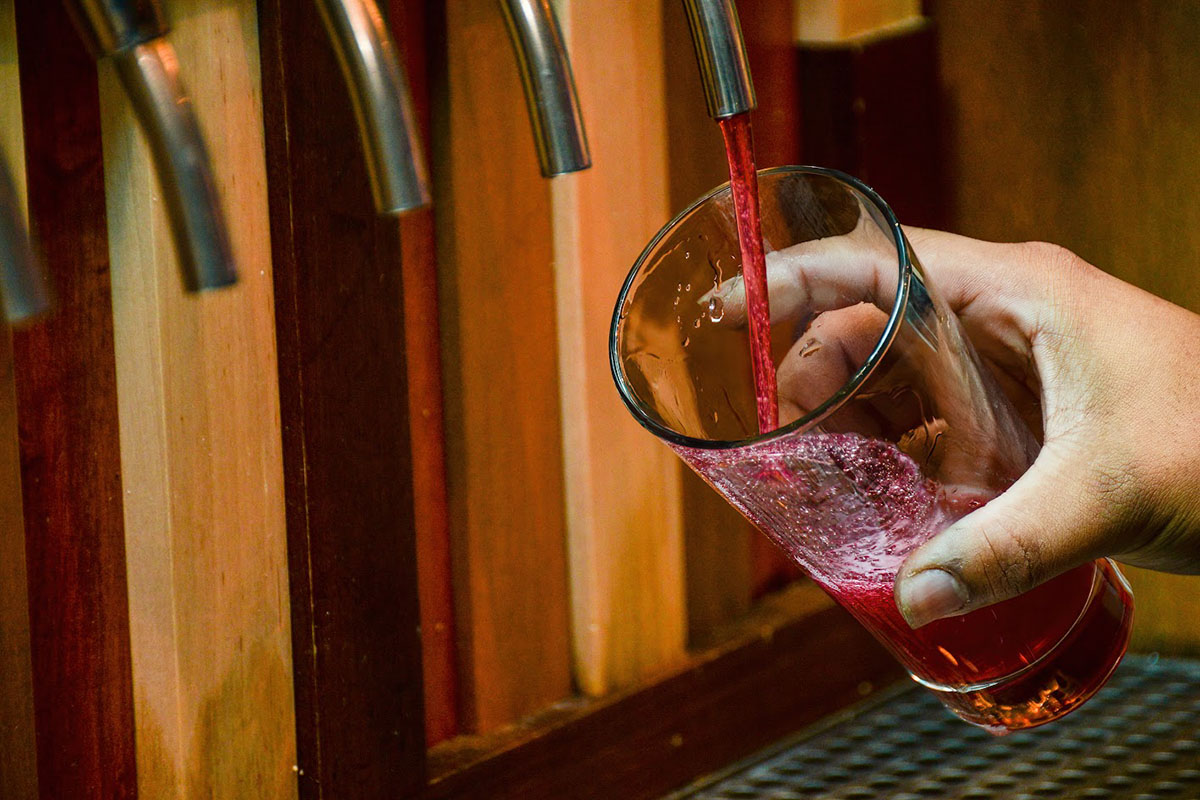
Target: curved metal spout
x: 721, y: 53
x: 382, y: 103
x: 549, y: 86
x: 22, y: 283
x: 130, y: 32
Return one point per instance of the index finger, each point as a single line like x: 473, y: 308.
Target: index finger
x: 862, y: 266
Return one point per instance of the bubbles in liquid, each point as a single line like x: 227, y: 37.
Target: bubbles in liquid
x: 687, y: 340
x: 716, y: 309
x: 696, y: 324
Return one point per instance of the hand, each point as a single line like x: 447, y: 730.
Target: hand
x: 1115, y: 369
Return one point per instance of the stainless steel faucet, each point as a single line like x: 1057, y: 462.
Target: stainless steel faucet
x: 549, y: 86
x: 22, y: 283
x: 131, y: 32
x: 721, y: 53
x: 379, y: 90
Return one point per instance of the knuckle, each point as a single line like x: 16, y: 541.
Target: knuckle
x: 1048, y: 254
x: 1012, y: 563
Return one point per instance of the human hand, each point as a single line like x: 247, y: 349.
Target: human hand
x: 1114, y: 369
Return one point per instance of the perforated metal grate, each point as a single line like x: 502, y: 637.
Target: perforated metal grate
x: 1139, y: 738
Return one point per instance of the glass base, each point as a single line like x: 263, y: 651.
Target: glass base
x: 1065, y: 677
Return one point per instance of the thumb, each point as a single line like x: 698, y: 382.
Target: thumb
x: 1052, y: 519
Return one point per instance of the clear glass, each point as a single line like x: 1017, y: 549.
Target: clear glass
x: 891, y: 429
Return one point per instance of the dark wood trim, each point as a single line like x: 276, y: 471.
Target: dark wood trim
x: 344, y: 412
x: 797, y: 659
x: 66, y: 376
x: 418, y: 34
x: 873, y: 109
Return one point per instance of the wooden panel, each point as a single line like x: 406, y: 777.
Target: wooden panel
x: 200, y: 448
x: 417, y: 37
x: 68, y: 423
x: 1076, y: 122
x: 343, y: 398
x: 504, y: 440
x: 767, y: 27
x: 18, y: 754
x: 622, y: 494
x: 797, y: 659
x: 868, y: 110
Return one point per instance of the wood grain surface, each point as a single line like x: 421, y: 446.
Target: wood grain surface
x: 18, y: 753
x: 200, y: 443
x: 503, y: 429
x: 67, y: 416
x: 624, y: 519
x: 418, y: 36
x: 344, y: 403
x: 1076, y: 122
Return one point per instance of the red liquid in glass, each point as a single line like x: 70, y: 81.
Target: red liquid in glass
x: 743, y: 184
x: 850, y: 509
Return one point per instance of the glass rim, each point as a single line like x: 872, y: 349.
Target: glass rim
x: 831, y: 403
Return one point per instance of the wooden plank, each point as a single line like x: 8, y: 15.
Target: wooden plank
x: 68, y: 423
x: 417, y: 36
x: 797, y: 659
x: 504, y: 438
x: 343, y: 398
x: 868, y: 110
x: 624, y: 535
x: 18, y: 752
x: 1071, y: 121
x: 200, y: 446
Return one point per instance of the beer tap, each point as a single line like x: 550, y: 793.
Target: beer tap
x: 22, y: 283
x: 132, y: 34
x: 382, y: 103
x: 558, y: 130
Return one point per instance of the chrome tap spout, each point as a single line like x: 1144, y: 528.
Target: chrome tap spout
x: 380, y: 94
x: 22, y: 283
x: 721, y: 54
x: 131, y: 33
x: 558, y: 130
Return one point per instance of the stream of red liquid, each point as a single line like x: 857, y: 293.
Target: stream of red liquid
x: 743, y: 182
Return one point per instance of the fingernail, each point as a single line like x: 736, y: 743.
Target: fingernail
x: 928, y: 595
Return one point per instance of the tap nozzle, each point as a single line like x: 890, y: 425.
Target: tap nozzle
x: 131, y: 33
x: 382, y: 103
x: 721, y: 54
x: 22, y: 283
x: 549, y: 86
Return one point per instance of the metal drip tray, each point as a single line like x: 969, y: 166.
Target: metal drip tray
x: 1138, y: 738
